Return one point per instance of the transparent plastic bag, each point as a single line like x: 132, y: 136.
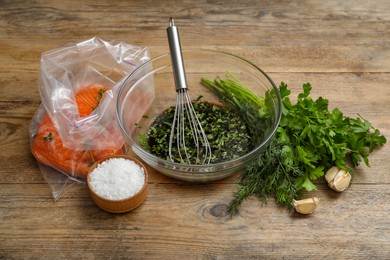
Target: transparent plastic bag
x: 76, y: 123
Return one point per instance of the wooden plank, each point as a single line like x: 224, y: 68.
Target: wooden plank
x: 202, y: 227
x: 334, y: 36
x: 338, y: 87
x: 22, y: 69
x: 250, y: 23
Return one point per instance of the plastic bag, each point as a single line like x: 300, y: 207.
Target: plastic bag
x: 76, y: 123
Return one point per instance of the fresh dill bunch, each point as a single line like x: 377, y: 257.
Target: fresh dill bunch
x: 272, y: 174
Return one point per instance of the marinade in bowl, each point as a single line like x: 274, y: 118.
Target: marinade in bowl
x: 226, y: 132
x: 149, y: 91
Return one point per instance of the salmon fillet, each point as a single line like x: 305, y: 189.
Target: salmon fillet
x: 48, y: 147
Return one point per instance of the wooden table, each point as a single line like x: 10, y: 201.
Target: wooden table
x: 341, y: 47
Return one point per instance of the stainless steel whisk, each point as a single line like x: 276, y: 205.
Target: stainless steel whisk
x: 184, y: 110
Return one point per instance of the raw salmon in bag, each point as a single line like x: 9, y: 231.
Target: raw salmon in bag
x: 76, y: 123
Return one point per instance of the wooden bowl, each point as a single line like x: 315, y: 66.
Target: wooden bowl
x: 122, y: 205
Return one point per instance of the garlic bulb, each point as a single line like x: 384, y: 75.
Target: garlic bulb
x: 338, y: 179
x: 306, y: 206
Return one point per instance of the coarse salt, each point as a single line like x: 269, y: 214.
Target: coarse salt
x: 117, y: 178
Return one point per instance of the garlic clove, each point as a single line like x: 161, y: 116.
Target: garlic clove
x: 341, y: 181
x: 338, y: 179
x: 331, y: 173
x: 306, y: 206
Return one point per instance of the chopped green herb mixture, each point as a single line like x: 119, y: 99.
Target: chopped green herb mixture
x: 100, y: 94
x: 99, y: 97
x: 48, y: 138
x: 310, y: 139
x: 226, y: 132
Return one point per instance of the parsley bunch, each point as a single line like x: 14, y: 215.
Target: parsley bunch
x: 320, y: 138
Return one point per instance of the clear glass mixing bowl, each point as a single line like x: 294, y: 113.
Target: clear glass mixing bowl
x: 150, y: 90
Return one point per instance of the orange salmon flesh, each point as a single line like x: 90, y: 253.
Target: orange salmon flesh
x: 48, y: 148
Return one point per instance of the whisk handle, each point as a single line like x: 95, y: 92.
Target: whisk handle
x: 176, y: 56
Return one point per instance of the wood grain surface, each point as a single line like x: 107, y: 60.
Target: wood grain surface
x: 341, y: 47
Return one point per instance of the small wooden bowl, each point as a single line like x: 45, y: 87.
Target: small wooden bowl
x: 123, y: 205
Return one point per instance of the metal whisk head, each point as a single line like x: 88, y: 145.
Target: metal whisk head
x: 186, y: 128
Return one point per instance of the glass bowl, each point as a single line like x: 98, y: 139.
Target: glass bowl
x: 150, y: 90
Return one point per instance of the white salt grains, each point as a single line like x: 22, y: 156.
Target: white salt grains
x: 117, y: 178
